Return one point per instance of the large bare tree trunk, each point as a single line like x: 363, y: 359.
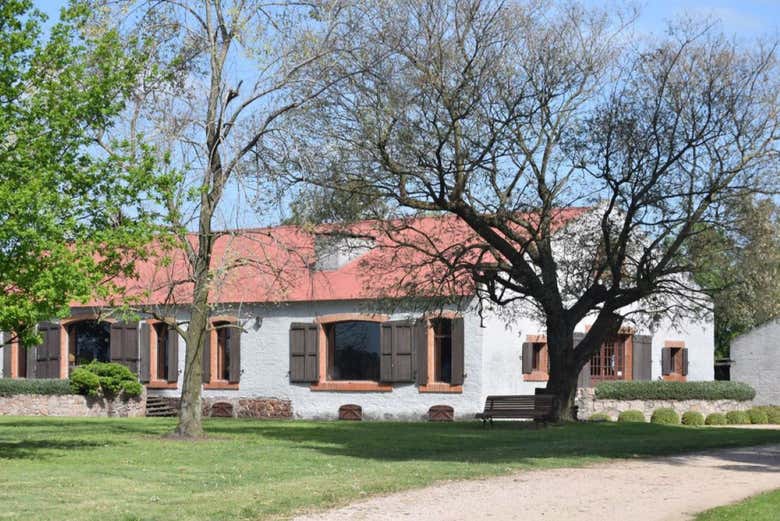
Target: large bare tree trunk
x: 562, y: 382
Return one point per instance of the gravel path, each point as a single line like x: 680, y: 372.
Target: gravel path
x: 661, y: 489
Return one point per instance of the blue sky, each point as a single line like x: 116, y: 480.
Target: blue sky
x: 745, y: 19
x: 741, y: 17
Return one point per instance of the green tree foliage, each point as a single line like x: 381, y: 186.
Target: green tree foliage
x: 741, y: 266
x: 64, y: 205
x: 353, y: 201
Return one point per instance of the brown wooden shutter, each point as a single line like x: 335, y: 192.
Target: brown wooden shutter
x: 458, y: 352
x: 397, y: 351
x: 124, y: 345
x: 206, y: 357
x: 643, y: 357
x: 143, y: 361
x: 173, y: 355
x: 666, y: 361
x: 304, y: 352
x: 7, y: 355
x: 234, y: 348
x: 32, y: 361
x: 528, y: 357
x: 583, y: 378
x: 684, y: 362
x: 47, y: 355
x: 421, y: 348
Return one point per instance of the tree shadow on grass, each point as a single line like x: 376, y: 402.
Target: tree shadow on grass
x: 45, y: 449
x: 509, y: 443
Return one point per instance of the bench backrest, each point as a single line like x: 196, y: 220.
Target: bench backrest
x: 535, y: 405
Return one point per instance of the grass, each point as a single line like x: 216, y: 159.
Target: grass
x: 122, y: 469
x: 763, y: 507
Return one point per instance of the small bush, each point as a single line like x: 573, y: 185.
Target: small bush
x: 758, y: 416
x: 599, y: 417
x: 737, y: 418
x: 665, y: 416
x: 662, y: 390
x: 715, y: 418
x: 11, y: 386
x: 631, y: 416
x: 773, y: 414
x: 693, y: 418
x: 105, y: 379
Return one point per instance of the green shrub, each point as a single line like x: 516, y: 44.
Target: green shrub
x: 662, y: 390
x: 665, y: 416
x: 773, y: 414
x: 693, y: 418
x: 737, y: 418
x: 758, y: 416
x: 104, y: 379
x: 715, y: 418
x: 11, y: 386
x: 599, y: 417
x: 631, y: 416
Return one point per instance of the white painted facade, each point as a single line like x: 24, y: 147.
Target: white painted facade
x: 493, y: 362
x: 756, y: 361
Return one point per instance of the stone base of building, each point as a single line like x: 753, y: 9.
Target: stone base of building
x: 247, y: 408
x: 588, y: 405
x: 71, y: 405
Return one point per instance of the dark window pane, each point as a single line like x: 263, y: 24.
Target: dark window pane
x: 355, y: 351
x: 162, y: 351
x: 445, y: 359
x: 92, y: 341
x: 223, y: 353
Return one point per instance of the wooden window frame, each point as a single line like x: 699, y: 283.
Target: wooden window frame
x: 325, y: 356
x: 433, y: 386
x: 676, y: 352
x: 216, y: 323
x: 541, y: 373
x: 68, y: 341
x: 155, y: 381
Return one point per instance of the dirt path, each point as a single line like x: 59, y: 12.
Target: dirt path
x: 662, y: 489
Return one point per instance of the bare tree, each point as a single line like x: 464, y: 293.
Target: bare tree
x: 222, y: 75
x: 505, y: 114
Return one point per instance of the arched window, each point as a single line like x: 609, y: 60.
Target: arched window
x: 89, y: 340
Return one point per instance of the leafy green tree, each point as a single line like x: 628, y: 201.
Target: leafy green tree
x: 740, y: 266
x: 71, y: 218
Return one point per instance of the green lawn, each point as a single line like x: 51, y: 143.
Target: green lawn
x: 764, y: 507
x: 122, y: 469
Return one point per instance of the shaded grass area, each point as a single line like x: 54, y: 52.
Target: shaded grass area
x: 123, y: 469
x: 763, y: 507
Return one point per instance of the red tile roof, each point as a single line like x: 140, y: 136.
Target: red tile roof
x: 278, y: 264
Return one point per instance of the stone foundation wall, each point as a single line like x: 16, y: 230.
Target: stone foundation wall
x: 588, y: 404
x: 241, y: 407
x: 71, y: 405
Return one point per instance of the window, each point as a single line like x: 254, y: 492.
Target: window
x: 353, y: 349
x: 89, y: 340
x: 536, y: 357
x: 161, y: 331
x: 223, y: 350
x: 675, y: 360
x: 442, y: 349
x: 608, y: 362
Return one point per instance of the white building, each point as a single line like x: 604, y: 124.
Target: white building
x: 756, y: 361
x: 318, y: 333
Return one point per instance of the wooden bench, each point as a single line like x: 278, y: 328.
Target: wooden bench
x: 516, y: 407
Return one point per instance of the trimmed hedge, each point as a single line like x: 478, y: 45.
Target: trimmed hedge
x: 758, y: 416
x: 737, y: 418
x: 715, y: 418
x: 631, y: 416
x: 665, y: 416
x: 599, y: 417
x: 662, y: 390
x: 772, y: 413
x: 693, y: 418
x: 11, y: 386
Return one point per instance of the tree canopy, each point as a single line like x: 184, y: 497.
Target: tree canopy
x: 70, y: 218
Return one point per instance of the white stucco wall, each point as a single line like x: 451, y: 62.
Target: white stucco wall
x: 493, y: 362
x: 756, y: 356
